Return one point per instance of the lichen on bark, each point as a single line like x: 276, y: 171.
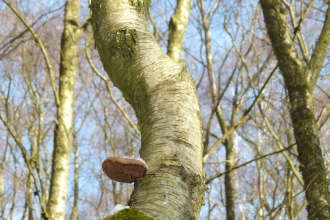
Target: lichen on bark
x: 163, y: 95
x: 128, y: 214
x: 299, y: 84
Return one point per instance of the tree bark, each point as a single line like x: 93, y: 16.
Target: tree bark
x: 299, y: 81
x: 64, y: 121
x: 163, y: 95
x: 177, y: 29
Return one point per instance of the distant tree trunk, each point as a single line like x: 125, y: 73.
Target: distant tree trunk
x: 163, y: 95
x: 229, y: 141
x: 64, y: 121
x: 300, y: 80
x: 229, y: 178
x: 177, y: 29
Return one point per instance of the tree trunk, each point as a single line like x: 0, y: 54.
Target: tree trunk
x: 229, y: 178
x: 299, y: 81
x: 229, y: 141
x: 64, y: 122
x: 177, y: 29
x: 163, y: 95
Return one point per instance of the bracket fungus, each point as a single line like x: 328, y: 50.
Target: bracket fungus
x: 125, y: 170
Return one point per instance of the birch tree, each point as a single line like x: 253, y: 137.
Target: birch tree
x: 163, y: 95
x: 64, y: 119
x: 250, y: 154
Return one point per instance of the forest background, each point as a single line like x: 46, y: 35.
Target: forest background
x: 250, y: 154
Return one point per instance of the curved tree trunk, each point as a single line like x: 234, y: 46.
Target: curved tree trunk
x: 63, y: 131
x: 299, y: 81
x: 163, y: 95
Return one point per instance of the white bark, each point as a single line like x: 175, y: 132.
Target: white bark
x: 163, y: 95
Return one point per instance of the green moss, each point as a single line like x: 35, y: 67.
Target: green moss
x: 95, y: 6
x: 128, y: 214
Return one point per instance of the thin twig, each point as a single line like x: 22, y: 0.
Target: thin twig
x: 27, y: 161
x: 42, y: 48
x: 241, y: 121
x: 107, y: 82
x: 246, y: 163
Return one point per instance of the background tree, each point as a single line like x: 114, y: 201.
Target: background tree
x: 64, y: 120
x: 63, y: 139
x: 300, y: 75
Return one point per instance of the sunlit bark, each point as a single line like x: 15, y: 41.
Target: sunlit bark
x: 163, y: 95
x: 64, y: 120
x: 177, y: 29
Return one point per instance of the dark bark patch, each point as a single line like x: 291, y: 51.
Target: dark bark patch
x: 141, y: 6
x: 125, y: 40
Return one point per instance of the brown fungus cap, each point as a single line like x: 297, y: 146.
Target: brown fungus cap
x: 125, y: 170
